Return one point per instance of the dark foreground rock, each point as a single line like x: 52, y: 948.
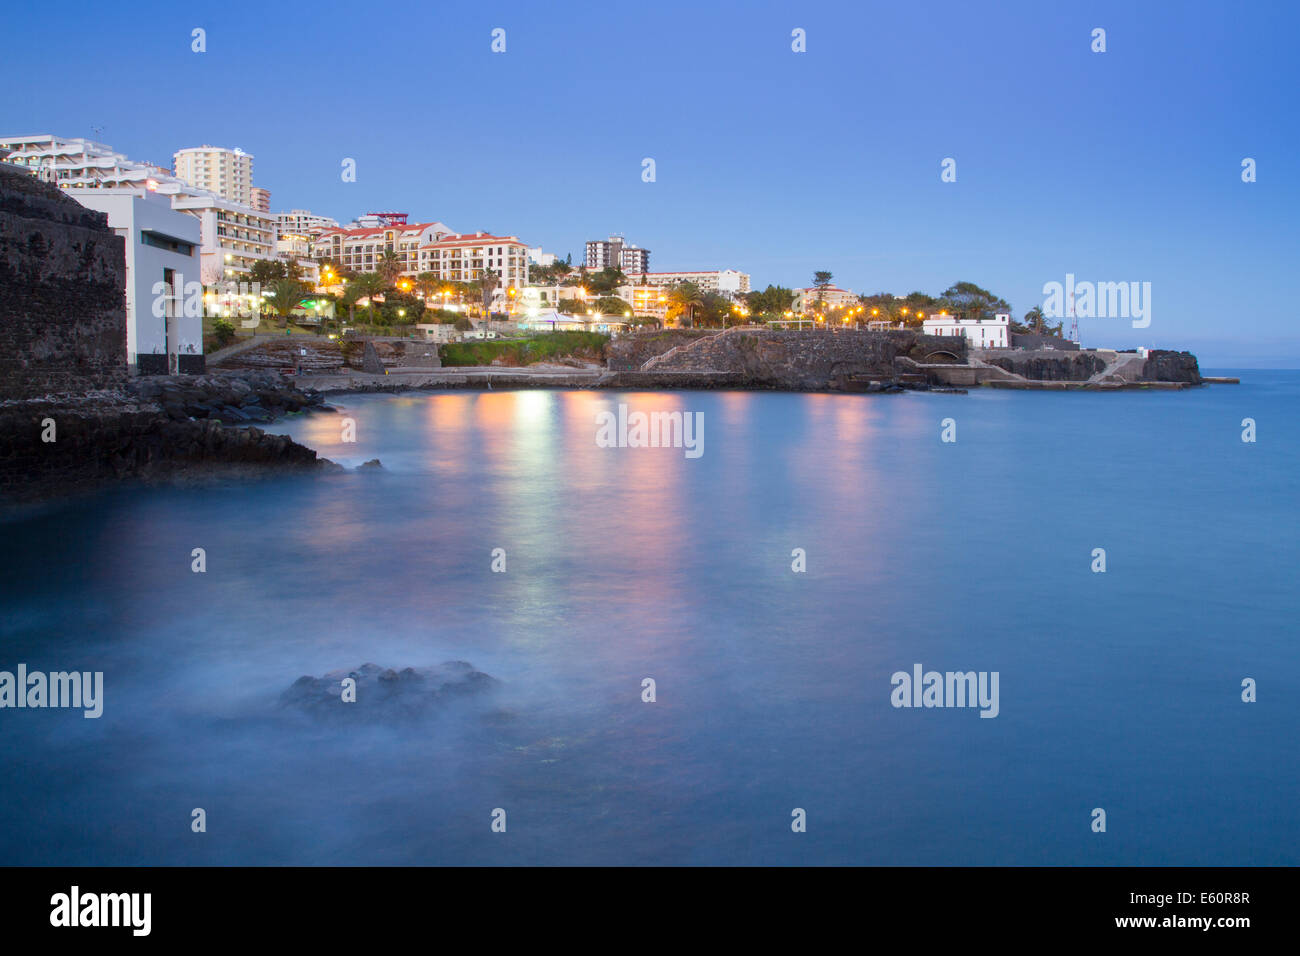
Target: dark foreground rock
x: 248, y: 395
x: 384, y: 694
x: 94, y: 445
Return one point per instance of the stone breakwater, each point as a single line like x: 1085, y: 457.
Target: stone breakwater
x: 155, y: 429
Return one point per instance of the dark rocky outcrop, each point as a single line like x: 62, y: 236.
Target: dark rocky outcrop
x: 384, y: 694
x: 1163, y: 365
x: 778, y: 359
x: 1050, y: 366
x: 231, y: 397
x: 97, y: 444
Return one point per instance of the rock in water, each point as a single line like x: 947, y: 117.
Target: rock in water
x: 384, y: 694
x: 370, y: 362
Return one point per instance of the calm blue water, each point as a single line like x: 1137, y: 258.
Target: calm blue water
x: 1118, y: 690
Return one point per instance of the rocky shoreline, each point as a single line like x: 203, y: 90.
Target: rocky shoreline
x: 154, y: 429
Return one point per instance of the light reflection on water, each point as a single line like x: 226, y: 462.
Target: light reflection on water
x: 773, y: 687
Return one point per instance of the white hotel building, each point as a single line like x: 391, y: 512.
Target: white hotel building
x: 727, y: 282
x: 362, y: 250
x: 994, y: 333
x: 463, y: 258
x: 234, y: 235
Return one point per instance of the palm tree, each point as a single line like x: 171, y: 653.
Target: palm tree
x: 389, y: 266
x: 487, y: 283
x: 685, y: 297
x: 351, y: 293
x: 285, y: 295
x: 369, y: 285
x: 427, y: 283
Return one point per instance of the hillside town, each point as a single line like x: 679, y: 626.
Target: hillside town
x: 209, y: 264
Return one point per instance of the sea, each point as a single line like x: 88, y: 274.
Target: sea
x: 696, y: 659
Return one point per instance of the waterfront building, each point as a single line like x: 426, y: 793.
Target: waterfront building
x: 362, y: 249
x: 464, y: 258
x: 261, y: 199
x: 215, y: 169
x: 539, y: 258
x: 991, y: 333
x: 234, y: 235
x: 162, y: 246
x: 302, y: 222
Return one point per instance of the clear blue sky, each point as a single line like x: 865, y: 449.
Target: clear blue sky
x: 1119, y: 166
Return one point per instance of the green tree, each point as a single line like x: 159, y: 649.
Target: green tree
x: 389, y: 266
x: 286, y: 295
x: 610, y: 305
x: 773, y: 301
x: 821, y: 282
x: 683, y: 299
x: 264, y: 272
x: 606, y: 280
x: 969, y: 301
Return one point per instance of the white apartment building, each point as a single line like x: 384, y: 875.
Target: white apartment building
x: 463, y: 258
x: 162, y: 246
x: 302, y: 222
x: 833, y: 296
x: 994, y: 333
x: 727, y: 282
x: 539, y: 258
x: 362, y: 250
x: 75, y: 163
x: 261, y: 199
x: 234, y: 235
x: 226, y: 172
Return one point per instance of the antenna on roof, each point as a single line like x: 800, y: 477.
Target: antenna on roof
x: 97, y: 130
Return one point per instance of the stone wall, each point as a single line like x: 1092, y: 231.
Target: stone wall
x: 627, y: 353
x: 1021, y: 340
x: 63, y: 311
x: 763, y: 358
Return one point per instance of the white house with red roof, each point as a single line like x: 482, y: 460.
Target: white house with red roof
x: 463, y: 258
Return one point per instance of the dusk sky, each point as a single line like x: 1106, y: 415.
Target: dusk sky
x: 1115, y: 166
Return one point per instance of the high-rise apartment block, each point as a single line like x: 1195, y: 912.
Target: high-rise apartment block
x: 226, y: 172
